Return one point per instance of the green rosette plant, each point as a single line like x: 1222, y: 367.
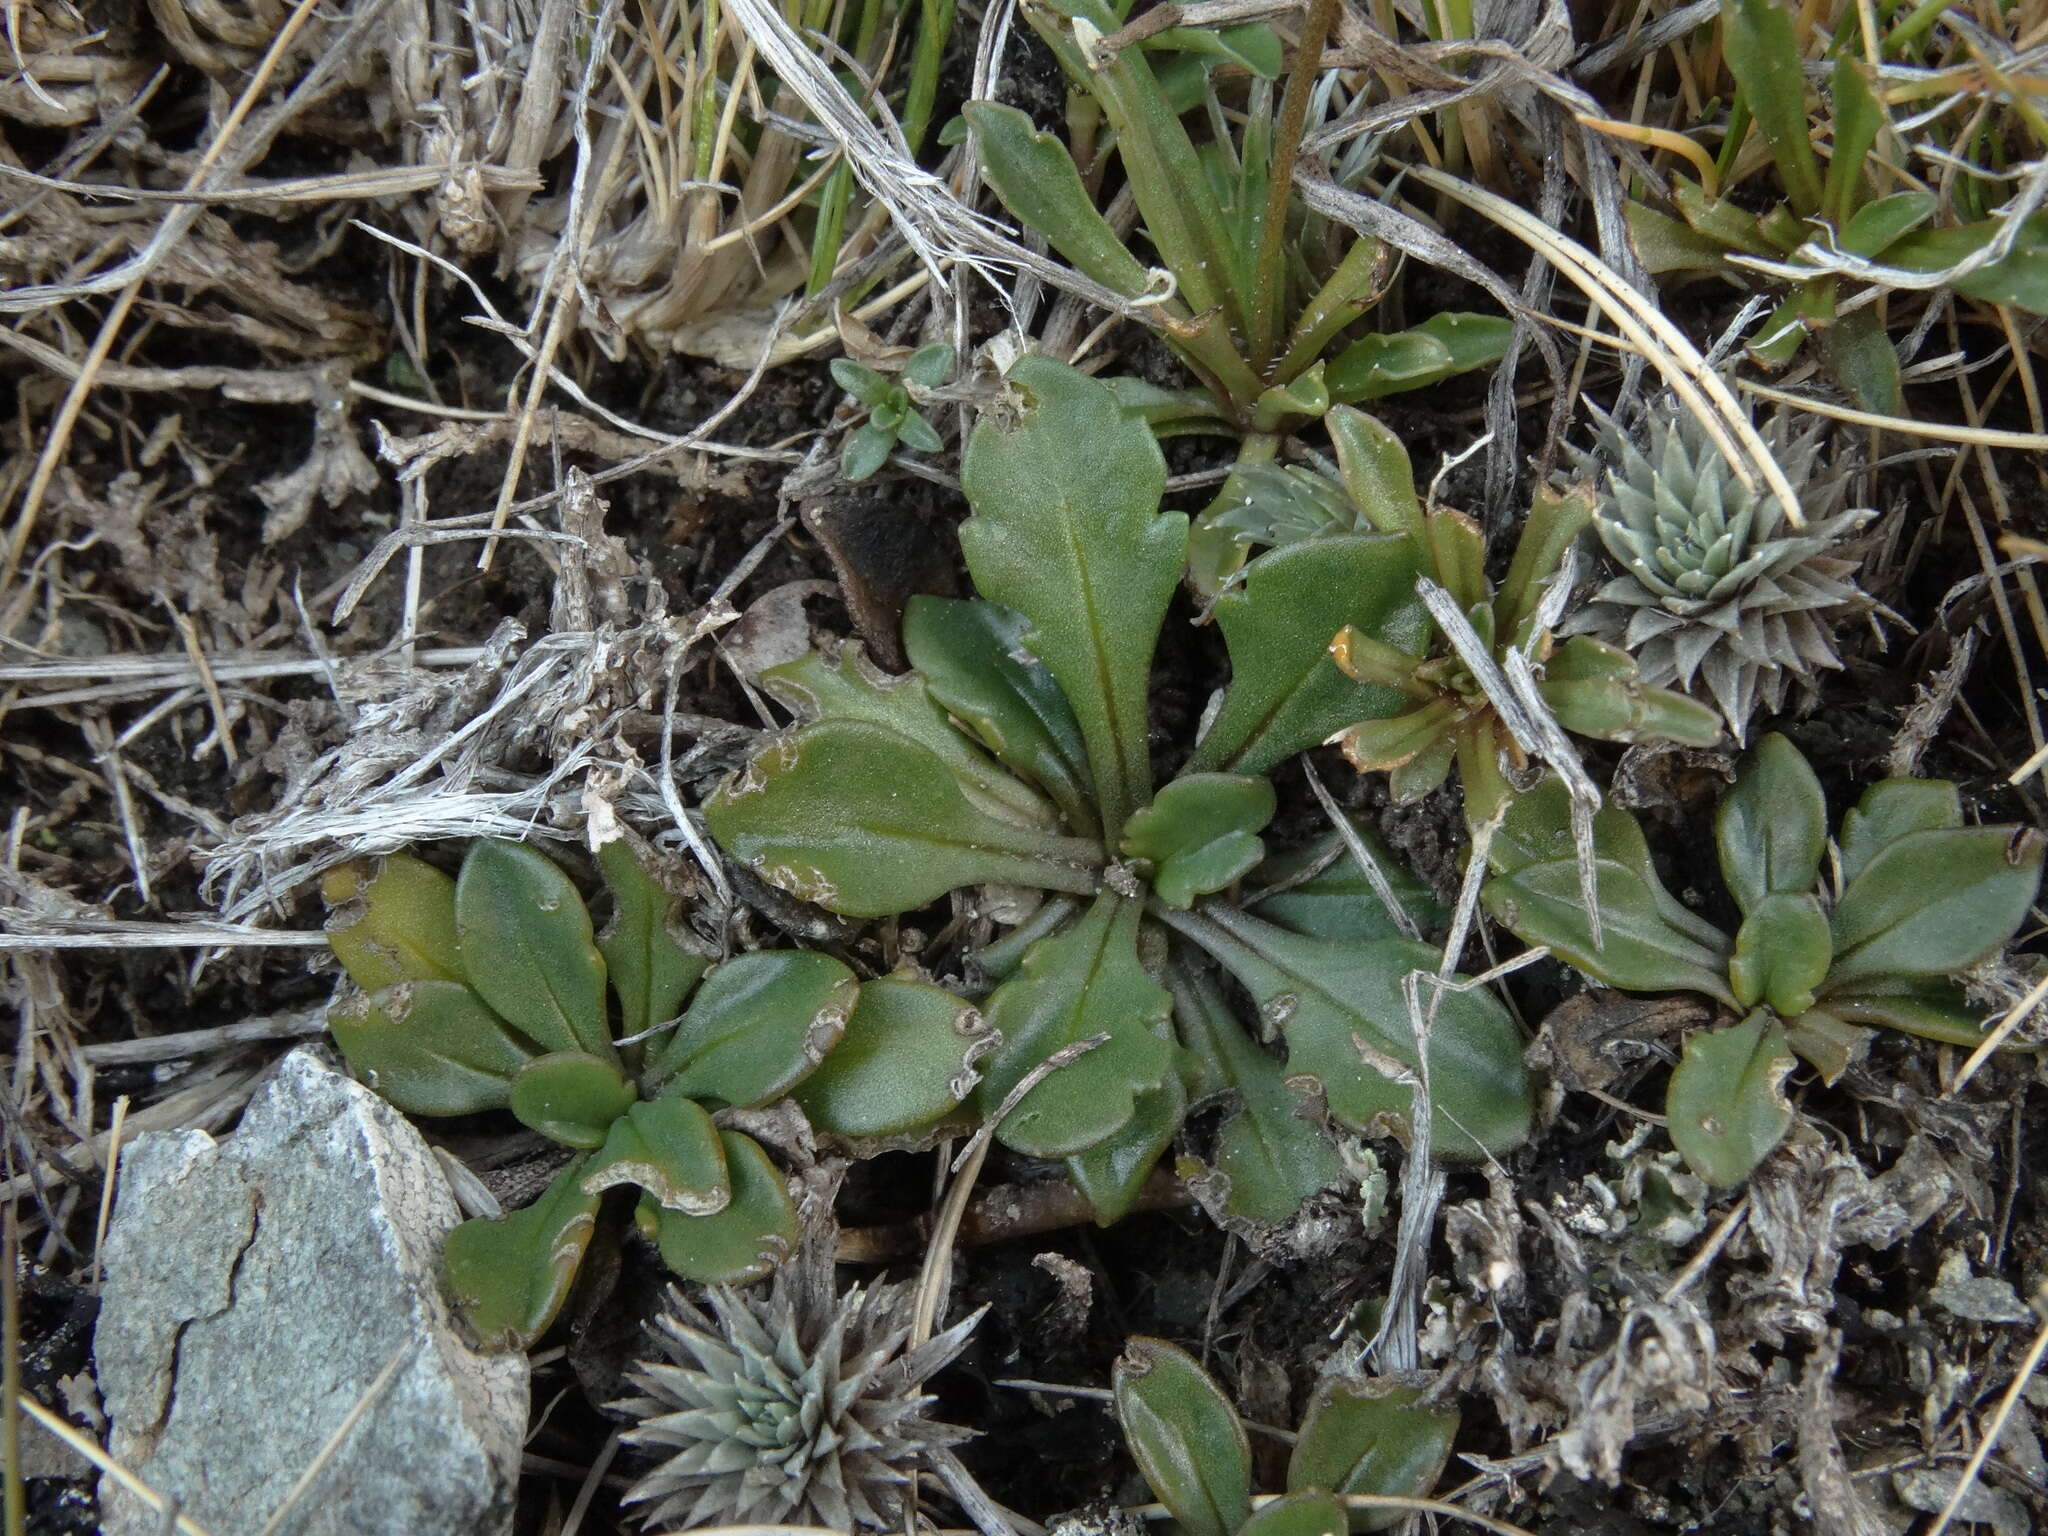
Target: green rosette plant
x: 1017, y: 753
x: 493, y: 991
x: 892, y: 408
x: 1461, y: 705
x: 1911, y: 897
x: 1361, y: 1436
x: 1264, y: 291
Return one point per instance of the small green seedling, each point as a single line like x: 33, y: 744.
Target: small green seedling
x: 1911, y: 898
x: 892, y: 409
x: 1361, y: 1437
x: 1018, y: 753
x: 490, y: 992
x: 1450, y: 711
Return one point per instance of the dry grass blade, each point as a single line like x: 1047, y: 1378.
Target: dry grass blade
x: 92, y: 1452
x: 1701, y: 389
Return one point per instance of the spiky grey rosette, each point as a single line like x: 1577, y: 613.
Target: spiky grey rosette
x: 788, y: 1404
x: 1717, y: 586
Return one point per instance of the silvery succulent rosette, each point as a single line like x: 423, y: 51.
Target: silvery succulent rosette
x: 788, y: 1404
x: 1717, y: 587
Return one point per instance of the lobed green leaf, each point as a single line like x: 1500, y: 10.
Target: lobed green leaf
x: 1201, y: 833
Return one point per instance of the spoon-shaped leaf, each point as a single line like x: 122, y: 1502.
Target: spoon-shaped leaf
x: 509, y: 1276
x: 1367, y: 1436
x: 1726, y: 1102
x: 670, y: 1148
x: 1084, y: 981
x: 754, y: 1231
x: 1772, y: 827
x: 1934, y: 903
x: 527, y: 947
x: 869, y: 823
x: 974, y: 662
x: 905, y: 1062
x: 392, y: 920
x: 653, y: 961
x: 571, y: 1098
x: 853, y: 688
x: 430, y: 1047
x: 1286, y: 694
x: 1639, y: 948
x: 1067, y: 531
x: 1201, y: 833
x: 1185, y: 1437
x: 758, y: 1026
x: 1891, y: 809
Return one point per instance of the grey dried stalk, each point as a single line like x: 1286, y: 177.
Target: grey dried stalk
x: 788, y: 1404
x: 1716, y: 587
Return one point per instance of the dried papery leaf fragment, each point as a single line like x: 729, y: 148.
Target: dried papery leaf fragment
x: 1185, y: 1437
x: 392, y: 920
x: 509, y: 1276
x: 1362, y: 1435
x: 527, y: 947
x: 1727, y: 1104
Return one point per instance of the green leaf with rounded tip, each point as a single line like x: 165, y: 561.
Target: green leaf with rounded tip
x: 652, y: 960
x: 755, y: 1231
x: 1310, y: 1513
x: 906, y: 1061
x: 1272, y: 1157
x: 1377, y: 474
x: 1342, y: 1010
x: 508, y: 1277
x: 1339, y: 902
x: 1201, y: 833
x: 1538, y: 830
x: 1763, y: 56
x: 430, y: 1047
x: 1085, y: 980
x: 1035, y: 177
x: 392, y: 920
x: 571, y: 1098
x: 867, y: 822
x: 670, y: 1148
x: 866, y: 450
x: 758, y: 1026
x: 1891, y: 809
x: 1254, y: 45
x: 1112, y: 1172
x: 919, y: 435
x: 1369, y: 1436
x: 1443, y: 346
x: 1185, y: 1437
x: 928, y: 366
x: 1873, y: 228
x: 2019, y: 278
x: 867, y: 386
x: 1066, y: 530
x: 851, y: 687
x: 527, y: 947
x: 1726, y: 1102
x: 1931, y: 1007
x: 1781, y: 954
x: 1639, y: 949
x: 1286, y: 694
x: 1934, y: 903
x: 974, y: 664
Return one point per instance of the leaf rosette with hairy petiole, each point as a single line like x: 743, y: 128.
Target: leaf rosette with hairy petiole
x: 490, y: 992
x: 1018, y: 753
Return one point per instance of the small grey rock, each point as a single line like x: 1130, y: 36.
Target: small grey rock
x: 255, y: 1288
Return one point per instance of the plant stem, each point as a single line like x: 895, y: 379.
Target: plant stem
x: 1272, y: 273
